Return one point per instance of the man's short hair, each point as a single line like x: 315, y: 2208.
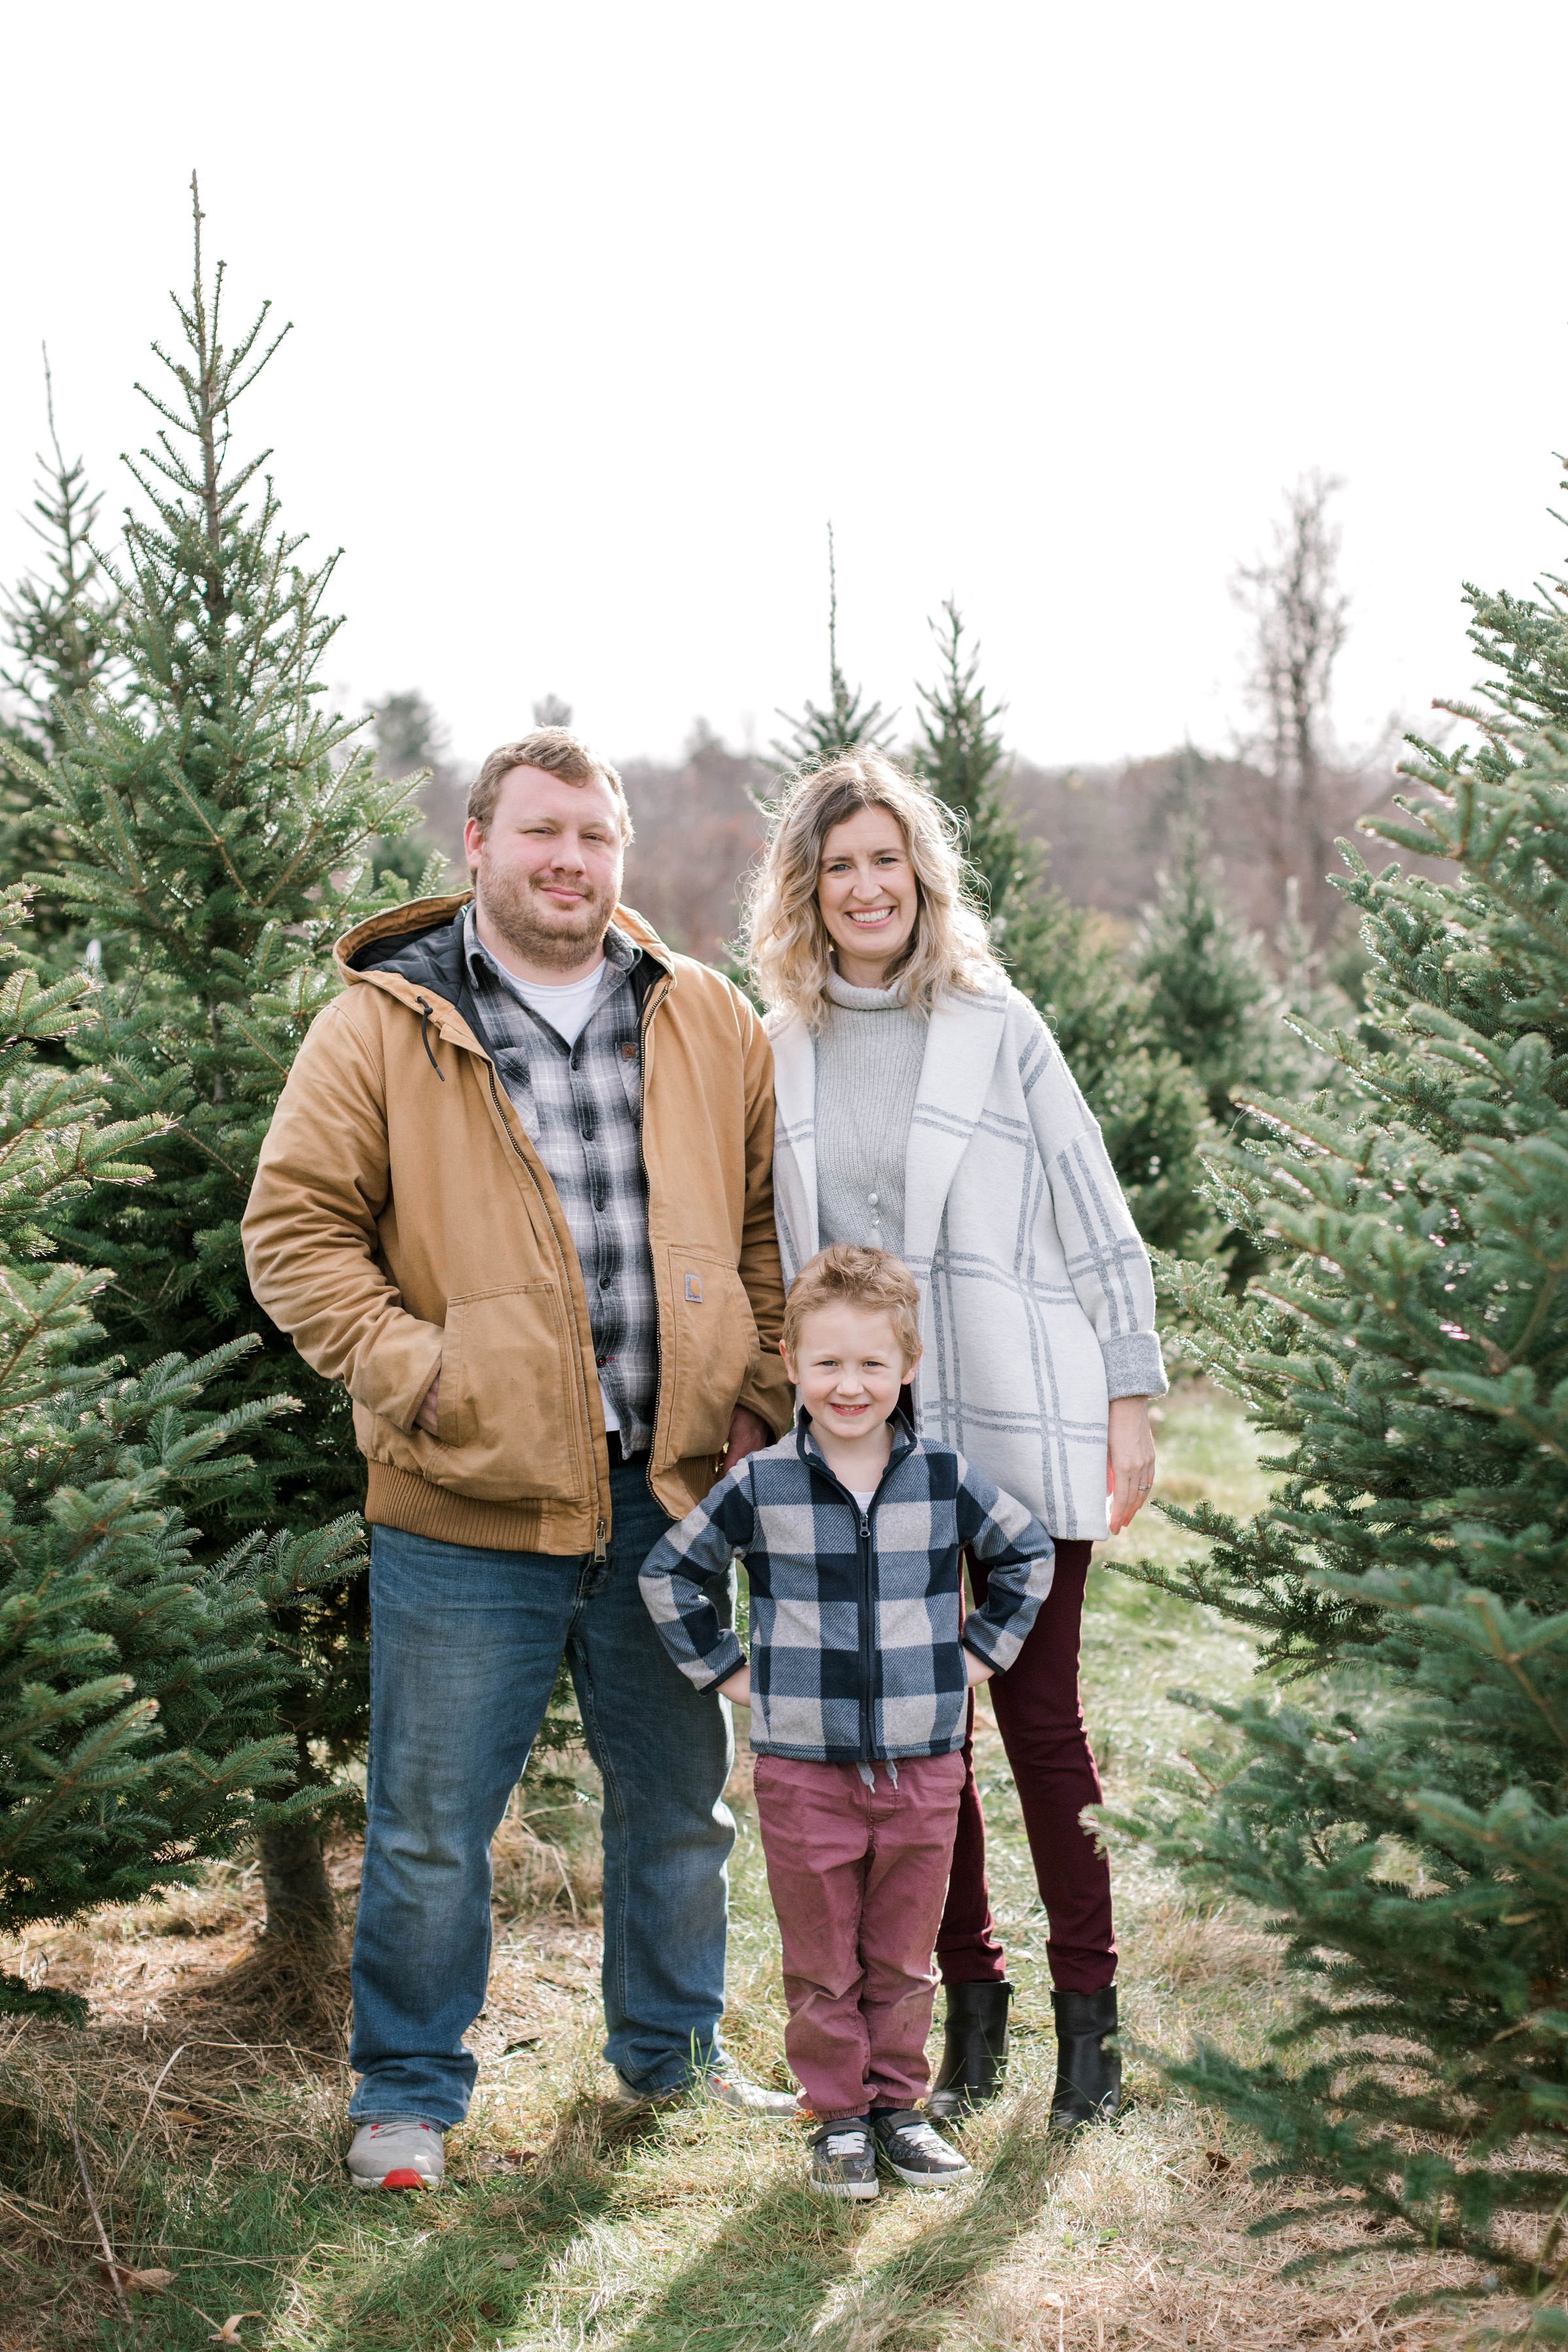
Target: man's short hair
x: 847, y: 1276
x: 559, y: 753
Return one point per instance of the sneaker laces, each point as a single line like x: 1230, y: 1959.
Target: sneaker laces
x: 846, y: 2143
x: 920, y: 2137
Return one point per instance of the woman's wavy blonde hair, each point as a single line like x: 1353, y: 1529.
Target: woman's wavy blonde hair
x: 788, y: 948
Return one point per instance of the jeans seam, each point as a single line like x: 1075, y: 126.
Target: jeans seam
x: 613, y: 1791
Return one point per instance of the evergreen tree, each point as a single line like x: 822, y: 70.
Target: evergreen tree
x: 1408, y: 1345
x: 57, y: 626
x: 218, y: 822
x: 843, y: 725
x: 411, y: 748
x: 1214, y: 1001
x: 138, y: 1689
x: 1064, y: 958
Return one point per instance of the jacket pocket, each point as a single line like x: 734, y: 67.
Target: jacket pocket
x: 510, y: 1377
x: 712, y: 1350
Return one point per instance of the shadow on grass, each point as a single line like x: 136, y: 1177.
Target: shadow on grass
x: 781, y: 2275
x: 326, y: 2267
x: 899, y: 2305
x: 761, y: 2280
x: 442, y: 2288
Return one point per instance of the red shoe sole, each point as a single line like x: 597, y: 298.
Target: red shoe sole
x: 405, y: 2178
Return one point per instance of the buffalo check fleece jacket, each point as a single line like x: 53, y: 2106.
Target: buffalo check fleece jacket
x: 857, y: 1623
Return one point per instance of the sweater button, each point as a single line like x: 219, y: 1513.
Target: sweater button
x: 871, y: 1200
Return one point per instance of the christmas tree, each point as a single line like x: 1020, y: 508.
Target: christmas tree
x: 218, y: 820
x: 844, y: 724
x: 1214, y: 1000
x: 1406, y: 1346
x: 1064, y: 958
x: 139, y: 1689
x: 57, y: 626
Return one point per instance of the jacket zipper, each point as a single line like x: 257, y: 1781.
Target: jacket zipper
x: 602, y: 1522
x: 651, y: 1003
x: 867, y: 1718
x: 863, y: 1575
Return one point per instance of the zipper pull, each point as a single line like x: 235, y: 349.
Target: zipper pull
x: 601, y: 1550
x: 865, y: 1524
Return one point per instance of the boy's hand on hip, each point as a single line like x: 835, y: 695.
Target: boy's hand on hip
x: 976, y: 1669
x: 736, y: 1687
x: 1130, y: 1460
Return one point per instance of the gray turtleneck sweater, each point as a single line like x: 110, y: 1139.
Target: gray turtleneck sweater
x: 868, y: 1057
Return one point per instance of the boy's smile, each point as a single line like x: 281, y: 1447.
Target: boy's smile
x: 849, y: 1368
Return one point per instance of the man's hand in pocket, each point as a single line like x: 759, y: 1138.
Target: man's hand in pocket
x: 428, y: 1415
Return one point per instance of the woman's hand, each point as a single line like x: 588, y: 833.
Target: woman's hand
x: 736, y: 1687
x: 1130, y: 1460
x: 976, y: 1669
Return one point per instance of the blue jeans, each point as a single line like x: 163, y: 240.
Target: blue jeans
x: 464, y: 1650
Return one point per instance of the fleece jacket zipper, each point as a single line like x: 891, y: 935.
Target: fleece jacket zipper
x: 864, y: 1607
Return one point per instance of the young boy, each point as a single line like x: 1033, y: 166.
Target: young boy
x: 852, y: 1530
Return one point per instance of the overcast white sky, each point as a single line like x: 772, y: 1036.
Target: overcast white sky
x: 600, y: 310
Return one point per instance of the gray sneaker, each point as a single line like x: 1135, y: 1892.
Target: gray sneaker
x: 844, y: 2161
x: 397, y: 2152
x: 915, y: 2153
x: 724, y: 2081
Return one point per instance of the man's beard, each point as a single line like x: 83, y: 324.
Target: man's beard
x: 539, y: 932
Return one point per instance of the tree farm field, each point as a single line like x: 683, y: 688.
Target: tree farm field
x: 206, y: 2110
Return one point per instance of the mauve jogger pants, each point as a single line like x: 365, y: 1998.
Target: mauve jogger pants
x: 1041, y: 1723
x: 857, y: 1876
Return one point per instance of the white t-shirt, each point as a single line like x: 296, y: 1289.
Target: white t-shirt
x: 866, y: 1499
x: 568, y: 1006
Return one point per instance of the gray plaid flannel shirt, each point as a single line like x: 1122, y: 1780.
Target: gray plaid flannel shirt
x: 857, y: 1627
x: 581, y: 1107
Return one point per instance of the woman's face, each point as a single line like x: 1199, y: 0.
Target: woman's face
x: 868, y: 893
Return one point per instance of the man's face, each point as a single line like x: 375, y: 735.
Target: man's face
x: 547, y: 867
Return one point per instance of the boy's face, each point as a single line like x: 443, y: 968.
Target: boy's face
x: 849, y: 1368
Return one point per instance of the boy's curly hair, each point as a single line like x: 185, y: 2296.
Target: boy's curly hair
x: 847, y: 1276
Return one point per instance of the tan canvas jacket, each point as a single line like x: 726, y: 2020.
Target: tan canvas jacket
x: 402, y: 1224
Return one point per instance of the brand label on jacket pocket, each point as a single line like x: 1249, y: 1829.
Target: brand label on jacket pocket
x: 694, y: 1288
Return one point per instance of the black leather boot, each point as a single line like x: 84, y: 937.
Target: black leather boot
x: 1089, y: 2076
x: 973, y: 2050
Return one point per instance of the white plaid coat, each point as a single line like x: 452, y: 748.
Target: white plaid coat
x: 1036, y: 1299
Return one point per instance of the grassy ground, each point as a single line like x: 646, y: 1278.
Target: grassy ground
x: 209, y: 2121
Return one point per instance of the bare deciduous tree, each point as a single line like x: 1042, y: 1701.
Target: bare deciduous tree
x: 1300, y: 614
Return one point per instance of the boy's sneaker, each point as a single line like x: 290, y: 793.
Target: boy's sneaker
x: 843, y: 2159
x: 397, y: 2152
x: 915, y: 2152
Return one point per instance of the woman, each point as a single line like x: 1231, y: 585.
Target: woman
x: 923, y: 1107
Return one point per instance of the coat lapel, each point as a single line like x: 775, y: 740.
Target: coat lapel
x: 962, y: 1046
x: 794, y: 1140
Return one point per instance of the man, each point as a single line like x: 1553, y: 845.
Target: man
x: 517, y: 1196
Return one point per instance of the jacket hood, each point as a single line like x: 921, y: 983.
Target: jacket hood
x: 416, y: 950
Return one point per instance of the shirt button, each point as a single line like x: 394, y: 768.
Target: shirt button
x: 871, y: 1199
x: 604, y: 1282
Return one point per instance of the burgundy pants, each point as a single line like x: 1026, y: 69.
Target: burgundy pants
x: 857, y: 1876
x: 1041, y: 1723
